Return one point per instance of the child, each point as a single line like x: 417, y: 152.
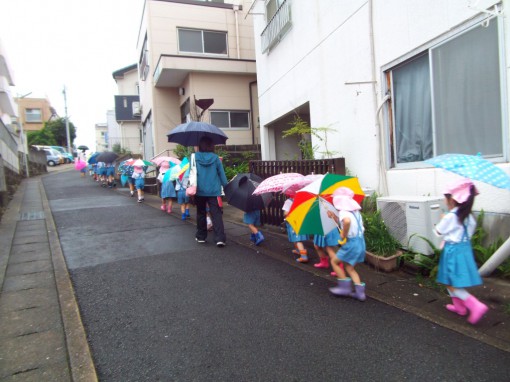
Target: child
x: 139, y: 178
x: 167, y: 188
x: 110, y: 174
x: 252, y: 218
x: 457, y: 267
x: 326, y: 248
x: 293, y: 237
x: 353, y: 251
x: 182, y: 198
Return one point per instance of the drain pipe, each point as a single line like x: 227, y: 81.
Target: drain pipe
x: 251, y: 111
x: 378, y: 125
x: 496, y: 259
x: 236, y: 11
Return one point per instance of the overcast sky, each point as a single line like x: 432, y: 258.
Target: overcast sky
x: 76, y: 43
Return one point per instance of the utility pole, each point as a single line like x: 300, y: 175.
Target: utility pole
x: 67, y: 123
x: 22, y: 133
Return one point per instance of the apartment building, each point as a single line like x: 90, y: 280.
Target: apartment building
x: 124, y: 128
x: 196, y: 61
x: 101, y: 133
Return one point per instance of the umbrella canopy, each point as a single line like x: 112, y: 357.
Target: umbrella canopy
x: 93, y: 158
x: 189, y: 133
x: 308, y: 214
x: 82, y: 147
x: 158, y: 160
x: 473, y: 167
x: 275, y: 183
x: 107, y: 157
x: 239, y: 193
x: 138, y: 162
x: 293, y: 186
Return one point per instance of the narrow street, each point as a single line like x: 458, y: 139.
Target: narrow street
x: 157, y: 306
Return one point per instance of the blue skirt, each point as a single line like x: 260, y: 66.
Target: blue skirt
x: 139, y: 183
x: 352, y: 252
x: 252, y: 217
x: 182, y: 198
x: 168, y: 190
x: 293, y: 237
x: 457, y: 266
x: 330, y: 240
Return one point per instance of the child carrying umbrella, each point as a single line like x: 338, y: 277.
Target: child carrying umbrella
x: 297, y: 240
x: 353, y: 250
x: 139, y: 178
x: 167, y: 188
x: 457, y: 267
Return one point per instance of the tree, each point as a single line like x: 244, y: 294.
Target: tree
x: 42, y: 137
x: 58, y: 128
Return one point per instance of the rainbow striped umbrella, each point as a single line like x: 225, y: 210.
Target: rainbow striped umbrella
x: 309, y: 211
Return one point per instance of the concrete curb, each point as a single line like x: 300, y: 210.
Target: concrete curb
x: 80, y: 359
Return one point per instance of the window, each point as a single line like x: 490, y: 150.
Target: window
x: 33, y: 115
x: 448, y: 99
x: 230, y: 119
x: 272, y: 7
x: 143, y: 63
x: 201, y: 41
x: 185, y: 111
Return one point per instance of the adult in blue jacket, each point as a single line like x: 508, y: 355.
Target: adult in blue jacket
x: 210, y: 178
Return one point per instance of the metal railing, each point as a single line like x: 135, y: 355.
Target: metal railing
x: 279, y: 24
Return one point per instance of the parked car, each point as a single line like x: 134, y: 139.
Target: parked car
x: 53, y: 157
x: 68, y: 158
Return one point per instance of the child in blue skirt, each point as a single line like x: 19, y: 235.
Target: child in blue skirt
x: 457, y: 267
x: 252, y: 218
x: 183, y: 199
x: 167, y: 188
x: 299, y: 248
x: 139, y: 179
x: 353, y: 251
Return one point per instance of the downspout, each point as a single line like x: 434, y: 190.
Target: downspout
x: 236, y: 11
x: 251, y: 112
x: 383, y: 184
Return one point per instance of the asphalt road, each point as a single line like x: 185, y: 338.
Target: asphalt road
x: 157, y: 306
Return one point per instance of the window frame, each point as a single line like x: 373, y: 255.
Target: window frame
x: 202, y: 31
x: 387, y: 81
x: 29, y: 116
x: 230, y: 128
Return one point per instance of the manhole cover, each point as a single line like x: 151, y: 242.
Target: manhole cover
x: 32, y: 215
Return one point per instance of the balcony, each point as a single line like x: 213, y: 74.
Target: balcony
x: 279, y: 24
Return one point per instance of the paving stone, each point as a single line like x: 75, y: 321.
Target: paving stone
x: 23, y: 322
x: 29, y: 267
x: 33, y: 280
x: 23, y: 240
x: 24, y: 257
x: 29, y: 298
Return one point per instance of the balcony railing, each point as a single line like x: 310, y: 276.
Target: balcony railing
x: 279, y: 24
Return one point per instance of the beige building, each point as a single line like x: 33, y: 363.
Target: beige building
x: 34, y: 112
x: 101, y: 130
x: 196, y: 50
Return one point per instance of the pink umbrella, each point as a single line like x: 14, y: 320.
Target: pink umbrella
x: 158, y: 160
x: 80, y: 165
x: 275, y: 183
x: 293, y: 186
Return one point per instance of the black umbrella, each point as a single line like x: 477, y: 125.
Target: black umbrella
x: 83, y: 147
x: 189, y: 134
x: 239, y: 193
x: 107, y: 157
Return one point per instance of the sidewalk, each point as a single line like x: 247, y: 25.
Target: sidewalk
x: 41, y: 334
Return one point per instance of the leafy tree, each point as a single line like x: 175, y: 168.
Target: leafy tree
x: 58, y: 128
x: 42, y: 137
x: 118, y: 149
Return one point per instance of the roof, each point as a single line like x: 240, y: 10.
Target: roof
x: 120, y: 73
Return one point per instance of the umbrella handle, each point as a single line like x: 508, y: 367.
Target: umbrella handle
x: 341, y: 242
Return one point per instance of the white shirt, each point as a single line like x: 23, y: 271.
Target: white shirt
x: 287, y: 205
x: 353, y: 228
x: 450, y: 228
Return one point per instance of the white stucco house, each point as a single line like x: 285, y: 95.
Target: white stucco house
x: 398, y: 81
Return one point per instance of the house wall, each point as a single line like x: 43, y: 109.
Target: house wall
x: 33, y: 103
x: 325, y: 59
x: 129, y: 84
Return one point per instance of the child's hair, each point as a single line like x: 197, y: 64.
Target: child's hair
x: 464, y: 209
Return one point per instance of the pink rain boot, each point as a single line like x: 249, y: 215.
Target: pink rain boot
x: 163, y: 207
x: 476, y: 309
x: 324, y: 263
x: 169, y: 209
x: 457, y: 306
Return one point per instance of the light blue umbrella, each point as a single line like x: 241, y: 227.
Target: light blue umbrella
x: 473, y: 167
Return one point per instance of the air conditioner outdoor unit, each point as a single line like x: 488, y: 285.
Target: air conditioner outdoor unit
x: 409, y: 217
x: 137, y: 109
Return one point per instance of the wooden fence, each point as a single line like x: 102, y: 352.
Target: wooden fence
x: 273, y: 214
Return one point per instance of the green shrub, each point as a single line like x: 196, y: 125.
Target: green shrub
x: 377, y: 237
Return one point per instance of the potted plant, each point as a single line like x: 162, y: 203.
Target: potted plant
x: 383, y: 250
